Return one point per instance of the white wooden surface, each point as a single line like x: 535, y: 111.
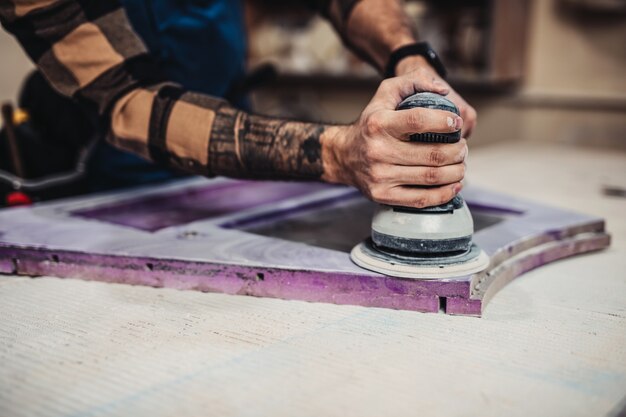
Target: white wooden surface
x: 551, y: 343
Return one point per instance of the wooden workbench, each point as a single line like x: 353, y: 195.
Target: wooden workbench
x: 552, y: 343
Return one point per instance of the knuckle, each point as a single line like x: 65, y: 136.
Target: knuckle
x: 437, y: 196
x: 378, y: 193
x: 385, y: 84
x: 415, y: 119
x: 436, y: 157
x: 462, y: 170
x: 373, y: 125
x: 456, y: 174
x: 369, y: 155
x: 440, y: 197
x: 378, y: 174
x: 469, y: 116
x: 432, y: 176
x: 460, y: 151
x: 447, y: 194
x: 421, y: 202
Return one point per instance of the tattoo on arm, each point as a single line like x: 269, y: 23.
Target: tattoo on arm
x: 244, y: 145
x: 207, y: 136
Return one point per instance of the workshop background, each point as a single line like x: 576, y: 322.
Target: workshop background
x: 549, y: 70
x: 548, y: 80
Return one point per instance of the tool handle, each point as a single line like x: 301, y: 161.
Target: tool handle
x: 436, y: 102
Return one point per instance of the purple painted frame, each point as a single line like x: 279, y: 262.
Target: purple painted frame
x: 191, y: 235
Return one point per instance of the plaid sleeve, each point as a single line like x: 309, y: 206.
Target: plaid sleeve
x: 87, y: 50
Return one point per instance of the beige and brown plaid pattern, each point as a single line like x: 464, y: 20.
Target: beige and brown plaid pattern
x: 87, y: 49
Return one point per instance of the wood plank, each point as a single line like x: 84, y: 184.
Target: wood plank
x: 279, y: 240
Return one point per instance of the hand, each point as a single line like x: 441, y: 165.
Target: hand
x: 419, y: 63
x: 374, y: 153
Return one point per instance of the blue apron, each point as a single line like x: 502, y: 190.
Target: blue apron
x: 199, y: 44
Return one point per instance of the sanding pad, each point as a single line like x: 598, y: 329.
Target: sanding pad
x: 428, y: 267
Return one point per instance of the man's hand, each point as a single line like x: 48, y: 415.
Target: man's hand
x: 419, y: 64
x: 375, y: 156
x: 373, y: 29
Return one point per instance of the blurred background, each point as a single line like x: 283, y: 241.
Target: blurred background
x: 542, y: 70
x: 535, y: 70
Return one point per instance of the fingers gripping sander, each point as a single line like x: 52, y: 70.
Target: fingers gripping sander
x: 430, y: 242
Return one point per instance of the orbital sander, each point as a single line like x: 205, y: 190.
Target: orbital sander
x: 430, y: 242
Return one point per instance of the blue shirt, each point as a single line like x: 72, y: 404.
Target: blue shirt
x: 199, y: 44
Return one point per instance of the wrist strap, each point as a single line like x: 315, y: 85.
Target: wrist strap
x: 419, y: 48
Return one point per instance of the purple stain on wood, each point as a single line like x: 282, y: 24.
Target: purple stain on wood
x: 8, y: 265
x: 157, y: 212
x: 286, y: 212
x: 213, y: 277
x: 50, y: 239
x: 311, y: 286
x: 463, y: 306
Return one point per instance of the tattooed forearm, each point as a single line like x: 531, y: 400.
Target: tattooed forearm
x: 244, y: 145
x: 206, y: 135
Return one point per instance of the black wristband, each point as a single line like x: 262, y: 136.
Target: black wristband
x: 419, y: 48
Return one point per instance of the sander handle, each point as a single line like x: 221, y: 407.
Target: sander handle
x: 433, y: 101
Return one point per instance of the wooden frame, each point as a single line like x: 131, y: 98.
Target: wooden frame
x: 272, y: 239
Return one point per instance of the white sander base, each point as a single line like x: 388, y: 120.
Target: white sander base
x: 366, y: 256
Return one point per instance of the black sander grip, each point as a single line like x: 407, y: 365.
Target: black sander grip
x: 436, y: 102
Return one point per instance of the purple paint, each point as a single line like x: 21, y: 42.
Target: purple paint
x: 54, y: 239
x: 7, y: 266
x: 287, y: 212
x: 337, y: 288
x: 185, y: 206
x: 463, y: 307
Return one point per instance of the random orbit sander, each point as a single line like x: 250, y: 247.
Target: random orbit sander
x: 431, y: 242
